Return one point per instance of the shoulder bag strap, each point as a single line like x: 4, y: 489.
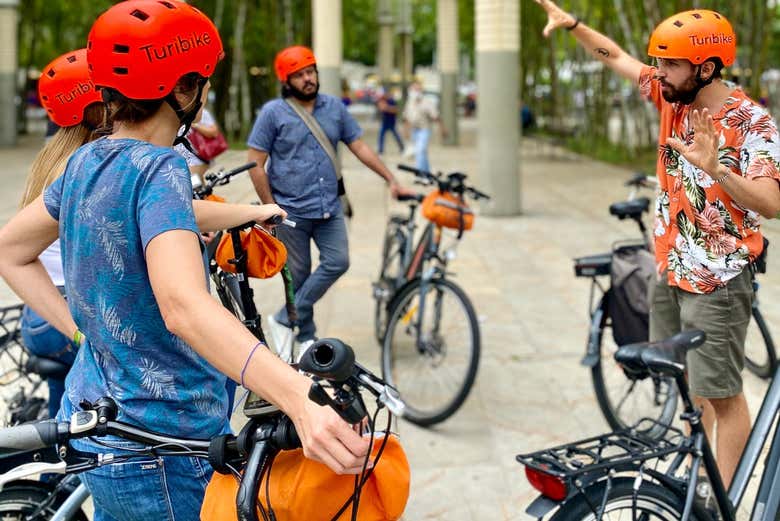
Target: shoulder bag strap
x: 319, y: 134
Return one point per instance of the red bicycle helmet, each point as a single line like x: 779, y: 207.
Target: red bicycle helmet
x: 292, y: 59
x: 695, y: 35
x: 65, y: 88
x: 142, y: 47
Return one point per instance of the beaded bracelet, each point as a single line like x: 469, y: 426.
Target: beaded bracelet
x: 248, y: 358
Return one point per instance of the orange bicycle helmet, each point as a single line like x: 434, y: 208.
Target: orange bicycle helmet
x: 265, y: 254
x: 302, y: 489
x: 695, y: 35
x: 142, y: 47
x: 65, y: 88
x: 292, y: 59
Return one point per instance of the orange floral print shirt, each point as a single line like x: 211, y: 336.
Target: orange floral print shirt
x: 703, y: 238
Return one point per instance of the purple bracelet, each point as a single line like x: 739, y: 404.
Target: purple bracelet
x: 248, y: 358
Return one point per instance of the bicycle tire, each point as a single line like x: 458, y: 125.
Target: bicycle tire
x: 393, y: 249
x: 653, y: 502
x: 758, y: 365
x: 436, y: 350
x: 614, y: 388
x: 21, y: 498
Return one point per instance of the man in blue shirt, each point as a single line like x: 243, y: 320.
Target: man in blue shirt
x: 301, y: 178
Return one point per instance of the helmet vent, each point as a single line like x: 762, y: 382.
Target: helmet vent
x: 121, y: 70
x: 45, y: 98
x: 168, y: 5
x: 121, y: 49
x: 663, y: 47
x: 71, y: 58
x: 678, y: 23
x: 50, y: 73
x: 697, y: 16
x: 140, y: 15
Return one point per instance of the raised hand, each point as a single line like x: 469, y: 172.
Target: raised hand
x: 703, y: 152
x: 556, y: 17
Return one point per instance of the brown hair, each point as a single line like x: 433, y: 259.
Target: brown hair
x: 50, y: 162
x: 124, y: 109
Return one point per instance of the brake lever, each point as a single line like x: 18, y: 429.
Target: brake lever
x: 386, y: 395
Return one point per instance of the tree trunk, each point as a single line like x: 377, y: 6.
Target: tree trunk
x: 233, y: 117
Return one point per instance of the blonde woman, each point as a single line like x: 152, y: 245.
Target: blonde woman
x: 71, y: 101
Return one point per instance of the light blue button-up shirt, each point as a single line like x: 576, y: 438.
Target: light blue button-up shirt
x: 302, y: 178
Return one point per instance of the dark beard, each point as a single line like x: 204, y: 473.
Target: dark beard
x: 288, y: 90
x: 688, y: 92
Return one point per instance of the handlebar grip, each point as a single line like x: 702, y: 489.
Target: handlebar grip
x: 412, y: 197
x: 330, y: 359
x: 30, y: 436
x: 415, y: 171
x: 242, y: 168
x: 276, y: 219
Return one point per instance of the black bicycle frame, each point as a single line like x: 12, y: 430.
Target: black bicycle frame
x: 767, y: 504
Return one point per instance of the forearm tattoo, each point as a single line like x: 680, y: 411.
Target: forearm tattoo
x: 603, y: 52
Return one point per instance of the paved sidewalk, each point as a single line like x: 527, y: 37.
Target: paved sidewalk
x: 531, y: 391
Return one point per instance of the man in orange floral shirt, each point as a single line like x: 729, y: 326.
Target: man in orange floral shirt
x: 718, y: 170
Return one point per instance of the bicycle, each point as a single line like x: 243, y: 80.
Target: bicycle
x: 623, y: 472
x: 423, y: 320
x: 625, y: 397
x: 61, y: 498
x: 338, y: 382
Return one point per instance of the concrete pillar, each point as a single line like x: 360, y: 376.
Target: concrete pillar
x: 406, y: 55
x: 447, y: 45
x: 386, y: 43
x: 327, y: 43
x: 8, y: 69
x: 498, y: 109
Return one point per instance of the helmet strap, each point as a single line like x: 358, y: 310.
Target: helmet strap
x: 186, y: 117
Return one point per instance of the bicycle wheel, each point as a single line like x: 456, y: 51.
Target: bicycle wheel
x: 760, y: 354
x: 23, y: 395
x: 232, y: 295
x: 625, y: 397
x: 653, y: 503
x: 20, y: 499
x: 393, y: 250
x: 433, y: 366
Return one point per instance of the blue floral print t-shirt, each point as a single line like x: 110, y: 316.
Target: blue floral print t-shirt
x: 115, y: 196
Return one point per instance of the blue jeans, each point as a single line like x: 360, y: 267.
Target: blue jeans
x: 384, y: 129
x: 421, y: 137
x: 42, y: 339
x: 330, y: 236
x: 168, y: 488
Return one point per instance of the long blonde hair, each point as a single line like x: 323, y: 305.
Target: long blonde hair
x: 50, y: 162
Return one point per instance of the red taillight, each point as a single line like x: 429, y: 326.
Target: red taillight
x: 550, y: 486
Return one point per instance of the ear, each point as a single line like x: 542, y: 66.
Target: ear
x: 706, y: 70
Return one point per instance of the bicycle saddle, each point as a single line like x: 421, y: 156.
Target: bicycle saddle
x: 666, y: 357
x: 633, y: 208
x: 46, y: 367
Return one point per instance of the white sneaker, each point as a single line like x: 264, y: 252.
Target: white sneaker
x: 281, y: 338
x: 303, y: 347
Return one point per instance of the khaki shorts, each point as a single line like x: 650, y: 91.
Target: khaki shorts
x: 714, y: 369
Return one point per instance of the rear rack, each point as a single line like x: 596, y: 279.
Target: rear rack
x: 618, y: 451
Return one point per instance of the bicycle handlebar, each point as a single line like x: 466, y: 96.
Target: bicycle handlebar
x: 328, y: 360
x: 30, y: 436
x: 221, y: 178
x: 452, y: 182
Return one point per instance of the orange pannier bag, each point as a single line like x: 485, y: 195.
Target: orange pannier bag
x: 446, y: 209
x: 305, y: 490
x: 266, y: 254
